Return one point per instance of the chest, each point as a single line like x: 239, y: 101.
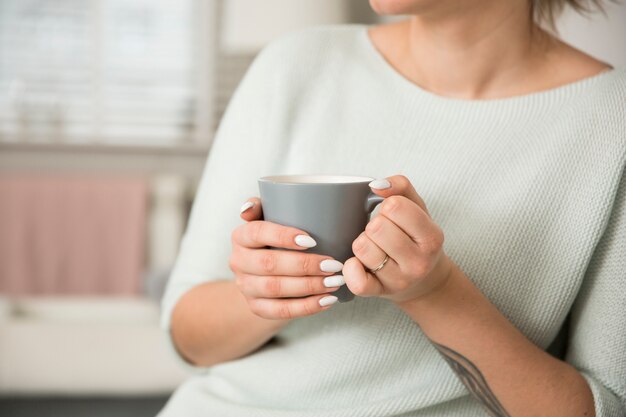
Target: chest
x: 521, y: 205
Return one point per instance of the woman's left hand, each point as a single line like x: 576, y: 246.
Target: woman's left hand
x: 403, y: 229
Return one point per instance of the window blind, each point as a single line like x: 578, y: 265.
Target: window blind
x: 98, y: 70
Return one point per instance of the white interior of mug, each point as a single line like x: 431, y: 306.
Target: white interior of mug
x: 316, y: 179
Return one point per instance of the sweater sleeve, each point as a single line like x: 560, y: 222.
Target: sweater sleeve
x: 241, y: 152
x: 597, y: 343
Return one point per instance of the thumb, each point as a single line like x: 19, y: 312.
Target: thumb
x: 252, y: 210
x: 398, y: 185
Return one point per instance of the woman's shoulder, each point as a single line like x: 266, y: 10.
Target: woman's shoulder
x: 606, y: 97
x: 573, y: 62
x: 566, y: 64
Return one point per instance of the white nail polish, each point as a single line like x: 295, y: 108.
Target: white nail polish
x: 380, y: 184
x: 328, y: 300
x: 305, y: 241
x: 246, y: 206
x: 331, y: 265
x: 334, y: 281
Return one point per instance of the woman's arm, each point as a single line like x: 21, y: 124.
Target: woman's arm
x: 212, y: 323
x: 241, y: 152
x: 223, y: 320
x: 504, y: 370
x: 501, y: 368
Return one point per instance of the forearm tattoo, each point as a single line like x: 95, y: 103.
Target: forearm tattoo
x: 473, y: 379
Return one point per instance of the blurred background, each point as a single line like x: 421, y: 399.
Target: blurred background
x: 107, y: 112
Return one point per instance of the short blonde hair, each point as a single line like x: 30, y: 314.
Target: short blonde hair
x: 546, y: 11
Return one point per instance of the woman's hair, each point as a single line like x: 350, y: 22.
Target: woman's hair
x: 546, y: 11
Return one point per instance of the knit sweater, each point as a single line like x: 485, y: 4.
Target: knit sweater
x: 529, y: 190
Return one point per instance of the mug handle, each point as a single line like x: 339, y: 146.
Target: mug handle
x: 372, y: 201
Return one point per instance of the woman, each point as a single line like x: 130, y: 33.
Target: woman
x: 481, y: 128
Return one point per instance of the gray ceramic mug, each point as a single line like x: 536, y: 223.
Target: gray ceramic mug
x: 332, y: 209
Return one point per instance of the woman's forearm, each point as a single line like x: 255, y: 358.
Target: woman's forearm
x: 212, y: 323
x: 501, y: 368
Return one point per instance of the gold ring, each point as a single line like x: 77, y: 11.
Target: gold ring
x: 379, y: 267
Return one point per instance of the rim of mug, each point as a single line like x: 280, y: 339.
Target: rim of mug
x: 318, y: 179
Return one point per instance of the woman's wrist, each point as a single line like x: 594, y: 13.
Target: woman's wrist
x: 439, y: 282
x: 444, y: 295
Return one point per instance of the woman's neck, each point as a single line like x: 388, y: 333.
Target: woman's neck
x: 475, y: 53
x: 491, y: 51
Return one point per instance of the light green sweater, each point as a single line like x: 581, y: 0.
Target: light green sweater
x: 530, y: 192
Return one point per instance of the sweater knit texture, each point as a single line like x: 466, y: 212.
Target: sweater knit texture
x: 529, y: 190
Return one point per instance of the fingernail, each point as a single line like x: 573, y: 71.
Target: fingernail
x: 380, y: 184
x: 334, y: 281
x: 331, y: 265
x: 328, y: 300
x: 246, y: 206
x: 305, y: 241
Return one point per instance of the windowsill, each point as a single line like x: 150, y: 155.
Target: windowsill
x: 182, y: 149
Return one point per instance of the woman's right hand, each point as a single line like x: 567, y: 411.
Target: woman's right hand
x: 265, y: 276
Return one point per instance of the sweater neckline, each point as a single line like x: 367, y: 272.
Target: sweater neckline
x: 558, y: 93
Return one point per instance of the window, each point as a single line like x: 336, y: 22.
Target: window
x: 106, y: 71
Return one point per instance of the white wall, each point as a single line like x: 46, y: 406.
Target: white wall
x: 603, y: 37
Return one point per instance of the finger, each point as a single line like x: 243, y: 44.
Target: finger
x: 251, y: 209
x: 415, y: 223
x: 261, y: 233
x: 359, y: 281
x: 409, y: 217
x: 398, y: 185
x: 391, y: 240
x: 276, y: 286
x: 283, y: 262
x: 372, y: 255
x: 276, y: 308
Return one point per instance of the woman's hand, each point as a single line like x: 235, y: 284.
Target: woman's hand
x: 404, y: 230
x: 265, y: 276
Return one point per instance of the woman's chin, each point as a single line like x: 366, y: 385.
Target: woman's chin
x: 400, y: 7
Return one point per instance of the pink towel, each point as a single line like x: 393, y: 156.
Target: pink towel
x: 62, y: 234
